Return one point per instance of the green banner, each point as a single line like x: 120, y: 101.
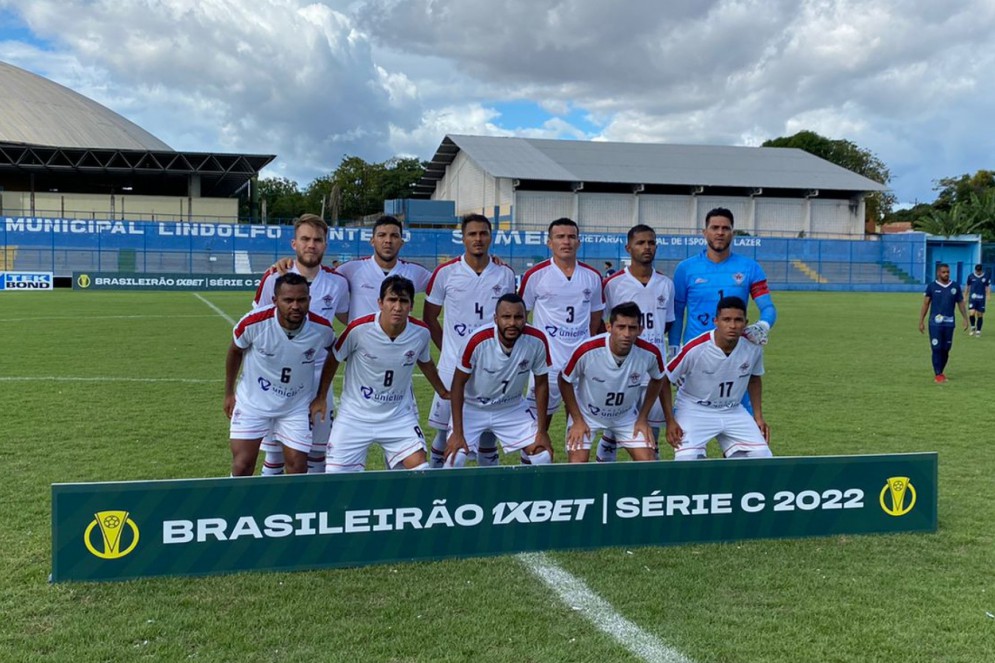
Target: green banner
x: 147, y: 281
x: 111, y: 531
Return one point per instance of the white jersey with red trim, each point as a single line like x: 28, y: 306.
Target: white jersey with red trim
x: 278, y: 372
x: 377, y: 385
x: 708, y: 377
x: 606, y: 391
x: 365, y: 276
x: 561, y: 307
x: 654, y: 298
x: 468, y: 300
x: 329, y: 296
x: 498, y: 378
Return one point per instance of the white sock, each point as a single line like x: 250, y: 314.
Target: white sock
x: 316, y: 459
x: 423, y: 466
x: 459, y: 460
x: 438, y: 451
x: 607, y: 450
x: 273, y: 462
x: 488, y: 457
x: 541, y: 458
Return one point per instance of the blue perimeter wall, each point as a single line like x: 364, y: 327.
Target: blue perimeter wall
x: 894, y: 263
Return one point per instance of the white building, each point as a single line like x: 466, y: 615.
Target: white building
x: 608, y: 187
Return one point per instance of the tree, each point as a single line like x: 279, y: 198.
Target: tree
x: 363, y: 187
x: 284, y: 200
x: 953, y: 190
x: 848, y: 155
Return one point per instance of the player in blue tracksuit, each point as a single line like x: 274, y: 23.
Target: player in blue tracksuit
x: 942, y: 296
x: 979, y: 289
x: 702, y: 280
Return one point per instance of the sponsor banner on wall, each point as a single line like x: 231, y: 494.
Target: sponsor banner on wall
x: 113, y: 531
x: 145, y: 281
x: 26, y: 281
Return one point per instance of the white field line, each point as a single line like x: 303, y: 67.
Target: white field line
x: 66, y: 378
x: 573, y: 592
x: 85, y: 318
x: 577, y: 595
x: 214, y: 308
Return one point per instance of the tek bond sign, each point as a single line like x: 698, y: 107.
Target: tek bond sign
x: 25, y: 281
x: 143, y: 281
x: 114, y: 531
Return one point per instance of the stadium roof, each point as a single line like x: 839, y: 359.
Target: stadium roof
x: 49, y: 131
x: 38, y: 111
x: 644, y: 163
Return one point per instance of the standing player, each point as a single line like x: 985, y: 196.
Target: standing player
x: 468, y: 287
x: 942, y: 296
x: 979, y: 289
x: 366, y: 274
x: 602, y: 386
x: 488, y: 384
x: 654, y: 294
x: 282, y: 342
x: 714, y: 370
x: 702, y: 280
x: 566, y: 301
x: 380, y: 352
x: 329, y: 299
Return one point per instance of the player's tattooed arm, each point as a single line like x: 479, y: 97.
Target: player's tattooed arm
x: 233, y: 362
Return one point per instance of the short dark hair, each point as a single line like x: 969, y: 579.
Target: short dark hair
x: 978, y: 267
x: 290, y: 278
x: 731, y: 302
x: 941, y: 265
x: 399, y: 286
x: 563, y: 221
x: 473, y: 218
x: 636, y: 229
x: 625, y: 309
x: 720, y: 211
x: 387, y: 220
x: 509, y: 298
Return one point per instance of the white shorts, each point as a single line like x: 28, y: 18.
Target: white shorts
x: 734, y: 428
x: 621, y: 431
x: 319, y: 431
x: 351, y: 439
x: 555, y: 398
x: 292, y: 429
x: 514, y: 427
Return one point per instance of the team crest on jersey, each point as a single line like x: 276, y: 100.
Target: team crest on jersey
x: 739, y: 277
x: 551, y: 331
x: 460, y: 329
x: 587, y: 295
x: 661, y: 301
x: 409, y: 358
x: 497, y: 290
x: 745, y: 365
x: 523, y: 365
x: 634, y: 378
x: 309, y: 355
x: 328, y: 301
x: 265, y: 384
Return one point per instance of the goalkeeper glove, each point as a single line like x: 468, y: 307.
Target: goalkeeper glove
x: 757, y: 333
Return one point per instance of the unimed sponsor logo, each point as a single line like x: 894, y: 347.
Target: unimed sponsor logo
x: 14, y: 281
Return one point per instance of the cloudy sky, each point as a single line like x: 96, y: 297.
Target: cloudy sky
x: 911, y: 80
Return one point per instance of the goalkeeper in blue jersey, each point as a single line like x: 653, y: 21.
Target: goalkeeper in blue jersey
x: 702, y: 280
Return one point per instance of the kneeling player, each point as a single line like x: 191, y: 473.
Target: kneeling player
x: 488, y: 386
x: 282, y: 342
x: 602, y: 384
x: 714, y: 370
x: 376, y: 404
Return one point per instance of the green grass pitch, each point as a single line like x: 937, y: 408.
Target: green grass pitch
x: 118, y: 386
